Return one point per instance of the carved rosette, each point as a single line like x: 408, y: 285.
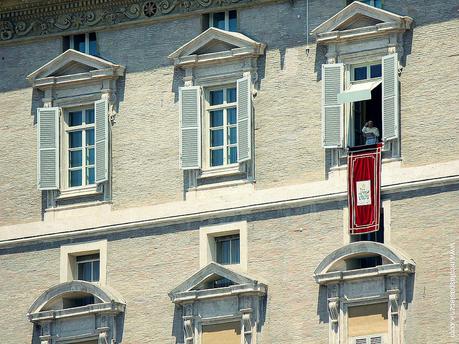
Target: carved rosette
x: 52, y: 19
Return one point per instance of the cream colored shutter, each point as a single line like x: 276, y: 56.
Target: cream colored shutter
x: 244, y: 119
x: 390, y: 97
x: 48, y: 148
x: 190, y: 127
x: 332, y: 111
x: 101, y: 138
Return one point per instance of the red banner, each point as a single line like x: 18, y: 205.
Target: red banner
x: 364, y: 185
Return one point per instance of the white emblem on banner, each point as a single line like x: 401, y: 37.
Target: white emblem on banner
x: 363, y: 189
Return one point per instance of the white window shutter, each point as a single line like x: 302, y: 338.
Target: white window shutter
x: 390, y: 97
x: 244, y: 119
x: 332, y: 111
x: 101, y: 138
x: 190, y: 127
x: 48, y: 148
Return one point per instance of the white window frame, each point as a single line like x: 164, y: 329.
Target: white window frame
x: 86, y: 41
x: 208, y: 247
x: 88, y: 260
x: 211, y: 19
x: 206, y: 132
x: 229, y: 238
x: 368, y: 66
x: 68, y: 264
x: 65, y: 152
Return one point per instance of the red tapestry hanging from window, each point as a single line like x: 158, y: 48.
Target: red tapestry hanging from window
x: 364, y: 185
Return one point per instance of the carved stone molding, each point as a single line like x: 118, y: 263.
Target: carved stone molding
x: 188, y: 328
x: 44, y: 18
x: 333, y: 309
x: 393, y: 301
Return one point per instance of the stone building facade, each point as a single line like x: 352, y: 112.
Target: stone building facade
x: 175, y: 171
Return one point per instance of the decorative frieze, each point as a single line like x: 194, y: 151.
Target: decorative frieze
x: 64, y: 18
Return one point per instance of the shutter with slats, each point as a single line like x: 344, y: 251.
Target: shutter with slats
x: 332, y: 111
x: 48, y: 148
x: 101, y: 138
x: 360, y: 341
x: 376, y: 340
x: 244, y: 119
x: 390, y: 97
x: 190, y: 127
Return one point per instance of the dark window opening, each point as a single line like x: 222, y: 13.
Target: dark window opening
x: 367, y: 110
x: 81, y: 301
x: 85, y: 43
x: 221, y: 20
x: 228, y: 249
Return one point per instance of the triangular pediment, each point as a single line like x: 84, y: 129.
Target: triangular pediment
x: 73, y: 62
x: 358, y: 15
x: 214, y: 41
x: 210, y: 277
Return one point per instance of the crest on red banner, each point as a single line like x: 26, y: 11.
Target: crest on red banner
x: 364, y: 185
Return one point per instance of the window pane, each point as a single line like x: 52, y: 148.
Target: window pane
x: 79, y: 42
x: 75, y: 139
x: 223, y: 252
x: 75, y: 158
x: 232, y: 135
x: 378, y: 3
x: 75, y: 118
x: 231, y: 113
x: 92, y: 44
x: 235, y: 251
x: 231, y: 95
x: 216, y: 157
x: 232, y: 155
x: 216, y: 97
x: 95, y: 271
x: 216, y: 118
x: 216, y: 138
x: 375, y: 71
x: 84, y: 271
x: 232, y: 21
x: 89, y: 116
x: 75, y: 178
x: 90, y: 175
x: 89, y: 156
x: 66, y: 43
x: 219, y: 20
x: 90, y: 137
x: 360, y: 73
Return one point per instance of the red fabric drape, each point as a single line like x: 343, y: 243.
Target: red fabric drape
x: 364, y: 184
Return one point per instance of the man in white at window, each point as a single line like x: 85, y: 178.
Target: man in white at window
x: 371, y: 133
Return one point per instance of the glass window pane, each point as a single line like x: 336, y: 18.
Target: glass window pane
x: 216, y: 157
x: 89, y: 116
x: 219, y: 20
x: 232, y: 117
x: 223, y: 252
x: 90, y: 137
x: 92, y: 44
x: 360, y: 73
x: 75, y: 118
x: 90, y: 175
x: 90, y: 156
x: 231, y: 95
x: 232, y: 135
x: 216, y: 138
x: 75, y: 178
x: 216, y: 97
x: 216, y: 118
x: 235, y: 251
x: 66, y: 43
x: 75, y: 139
x: 232, y: 20
x: 75, y: 158
x: 232, y: 155
x: 79, y: 42
x: 376, y: 71
x: 84, y: 271
x: 95, y: 271
x: 378, y: 3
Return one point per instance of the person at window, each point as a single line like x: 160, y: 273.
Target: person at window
x: 371, y: 133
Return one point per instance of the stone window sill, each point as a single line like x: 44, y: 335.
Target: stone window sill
x: 221, y: 172
x: 79, y: 192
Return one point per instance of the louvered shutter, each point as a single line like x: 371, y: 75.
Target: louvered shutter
x: 360, y: 341
x: 101, y: 138
x: 390, y: 97
x: 376, y: 340
x: 190, y: 127
x: 48, y: 148
x: 332, y: 111
x: 244, y: 119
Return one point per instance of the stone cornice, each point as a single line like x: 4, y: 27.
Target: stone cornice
x: 63, y: 17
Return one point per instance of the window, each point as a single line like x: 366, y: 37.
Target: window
x: 88, y: 267
x: 374, y: 3
x: 80, y: 143
x: 228, y: 333
x: 366, y: 71
x: 368, y: 324
x: 221, y: 117
x: 228, y: 249
x: 85, y: 43
x: 221, y: 20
